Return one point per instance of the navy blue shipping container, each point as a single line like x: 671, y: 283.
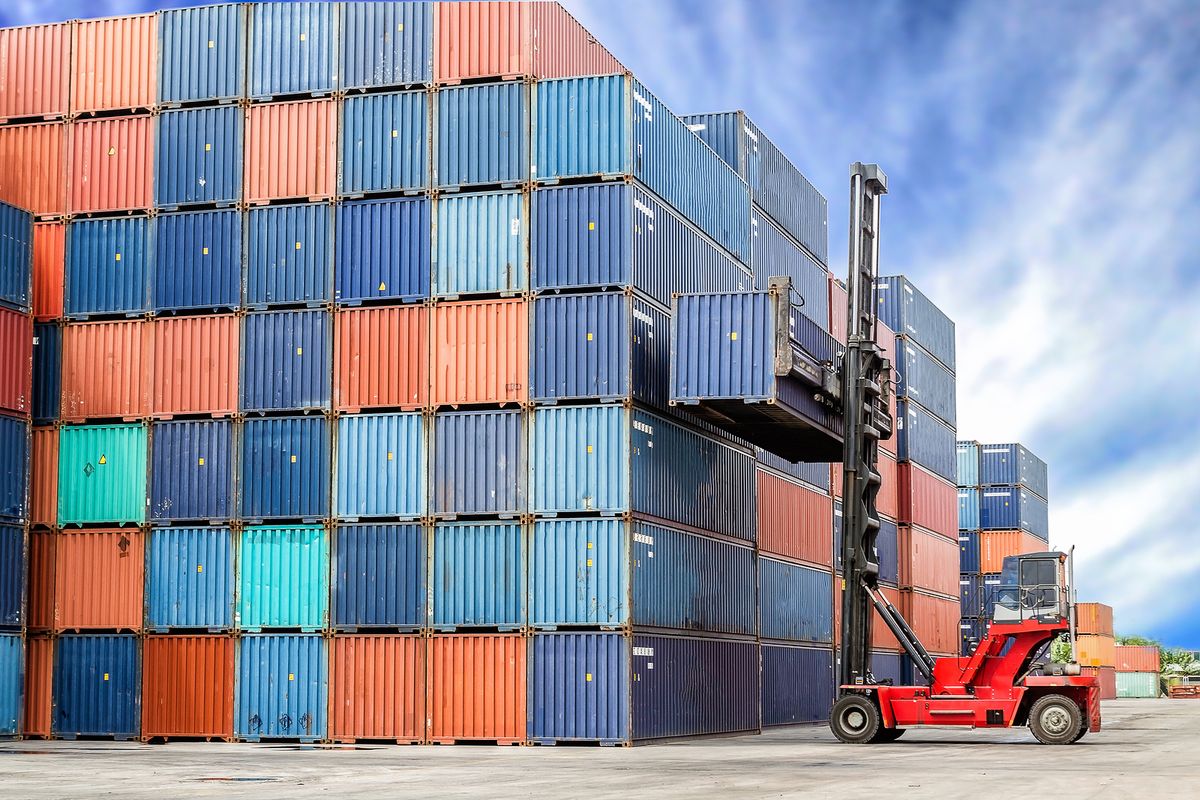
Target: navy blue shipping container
x: 16, y: 257
x: 479, y: 464
x: 189, y: 579
x: 973, y: 631
x: 906, y: 311
x: 773, y: 252
x: 887, y: 666
x: 286, y: 361
x: 282, y: 687
x: 285, y: 468
x: 477, y: 576
x: 14, y: 469
x: 97, y: 686
x: 795, y: 602
x: 619, y: 235
x: 926, y: 440
x: 108, y: 266
x: 198, y: 156
x: 968, y: 551
x: 379, y: 576
x: 191, y: 470
x: 292, y: 49
x: 797, y: 684
x: 12, y: 576
x: 12, y: 683
x: 1012, y: 464
x: 923, y: 380
x: 383, y: 250
x: 198, y: 260
x: 202, y: 54
x: 482, y: 135
x: 385, y: 143
x: 887, y: 546
x: 47, y: 371
x: 971, y: 594
x: 289, y: 255
x: 1003, y: 508
x: 386, y: 44
x: 813, y: 473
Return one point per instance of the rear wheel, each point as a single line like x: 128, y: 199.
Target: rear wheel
x: 1055, y: 719
x: 855, y: 719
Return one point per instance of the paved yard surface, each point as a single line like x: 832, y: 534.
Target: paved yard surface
x: 1148, y: 748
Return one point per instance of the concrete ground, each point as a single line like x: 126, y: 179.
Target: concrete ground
x: 1148, y: 748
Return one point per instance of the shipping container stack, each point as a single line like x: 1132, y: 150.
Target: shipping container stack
x: 1137, y: 670
x: 1095, y: 646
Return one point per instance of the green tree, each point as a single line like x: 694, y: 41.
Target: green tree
x: 1176, y: 661
x: 1138, y: 641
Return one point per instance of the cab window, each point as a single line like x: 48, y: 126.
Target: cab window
x: 1038, y: 572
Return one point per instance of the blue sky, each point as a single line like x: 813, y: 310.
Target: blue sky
x: 1044, y: 165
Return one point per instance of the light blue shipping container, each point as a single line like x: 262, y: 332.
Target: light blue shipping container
x: 198, y: 260
x: 968, y: 463
x: 383, y: 250
x: 16, y: 257
x: 198, y: 156
x: 968, y: 509
x: 386, y: 44
x: 97, y: 686
x: 292, y: 49
x: 795, y: 602
x: 1011, y: 463
x: 286, y: 361
x: 385, y: 143
x: 380, y: 576
x: 479, y: 464
x: 923, y: 380
x: 382, y: 466
x: 283, y: 578
x: 289, y: 255
x: 477, y: 575
x: 1003, y: 508
x: 482, y: 135
x: 189, y: 579
x: 773, y: 252
x: 12, y: 683
x: 611, y: 126
x: 482, y: 244
x: 925, y: 440
x: 191, y: 470
x: 202, y: 54
x: 908, y: 312
x: 284, y: 470
x: 108, y: 266
x: 282, y: 688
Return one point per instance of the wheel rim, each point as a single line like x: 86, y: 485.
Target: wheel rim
x: 854, y: 720
x: 1056, y: 720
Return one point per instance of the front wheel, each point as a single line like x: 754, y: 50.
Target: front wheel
x: 1055, y: 719
x: 886, y: 735
x: 855, y: 719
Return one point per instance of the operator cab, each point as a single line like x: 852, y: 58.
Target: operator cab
x: 1032, y: 586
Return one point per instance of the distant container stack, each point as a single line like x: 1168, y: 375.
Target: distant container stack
x: 1138, y: 669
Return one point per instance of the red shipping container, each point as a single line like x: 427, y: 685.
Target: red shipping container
x: 886, y: 500
x: 887, y: 343
x: 33, y: 167
x: 115, y: 63
x: 928, y: 501
x: 377, y: 688
x: 49, y: 265
x: 514, y: 39
x: 928, y: 561
x: 381, y: 358
x: 104, y: 370
x: 1137, y: 658
x: 187, y: 687
x: 995, y: 546
x: 476, y: 688
x: 1093, y: 618
x: 480, y: 352
x: 881, y: 635
x: 35, y: 68
x: 39, y: 675
x: 112, y: 164
x: 195, y: 365
x: 16, y: 362
x: 43, y: 477
x: 1108, y: 680
x: 98, y: 578
x: 291, y: 151
x: 838, y: 300
x: 794, y: 521
x: 934, y: 620
x: 40, y: 605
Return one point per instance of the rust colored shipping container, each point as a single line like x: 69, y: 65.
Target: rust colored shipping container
x: 1095, y: 618
x: 887, y: 501
x: 794, y: 520
x: 112, y: 164
x: 1094, y: 650
x: 994, y: 546
x: 104, y: 370
x: 33, y: 167
x: 837, y: 309
x: 114, y: 63
x: 187, y: 687
x: 480, y: 352
x: 16, y: 362
x: 1136, y: 658
x: 98, y: 578
x: 291, y: 151
x: 382, y: 358
x: 476, y: 688
x: 35, y: 68
x: 928, y: 561
x: 881, y: 636
x: 514, y: 39
x: 39, y: 676
x: 43, y: 477
x: 887, y: 343
x: 40, y: 606
x: 377, y: 688
x: 49, y: 261
x: 195, y: 365
x: 1108, y: 680
x: 927, y: 500
x: 934, y: 619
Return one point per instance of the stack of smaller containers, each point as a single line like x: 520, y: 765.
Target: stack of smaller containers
x: 1095, y: 647
x: 1137, y: 668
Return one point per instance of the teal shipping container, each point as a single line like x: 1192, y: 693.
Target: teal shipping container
x: 102, y: 474
x: 283, y: 578
x: 12, y: 683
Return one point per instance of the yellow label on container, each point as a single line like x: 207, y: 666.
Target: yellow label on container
x: 389, y: 455
x: 297, y: 245
x: 211, y: 44
x: 302, y: 38
x: 299, y: 351
x: 394, y: 134
x: 382, y: 286
x: 291, y: 676
x: 106, y: 676
x: 591, y: 226
x: 118, y: 256
x: 103, y: 459
x: 589, y: 448
x: 589, y: 337
x: 400, y: 27
x: 589, y: 545
x: 204, y: 251
x: 199, y: 568
x: 589, y: 677
x: 733, y: 336
x: 589, y: 563
x: 293, y: 459
x: 207, y: 147
x: 201, y: 462
x: 112, y: 151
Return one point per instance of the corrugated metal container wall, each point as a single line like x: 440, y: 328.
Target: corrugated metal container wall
x: 283, y: 578
x: 925, y: 440
x: 1137, y: 684
x: 289, y: 255
x: 480, y: 352
x: 114, y: 63
x: 927, y: 501
x: 14, y: 468
x: 793, y: 521
x: 97, y: 686
x: 202, y: 54
x: 379, y: 576
x: 814, y: 474
x: 797, y: 684
x: 968, y: 509
x: 16, y: 258
x: 187, y: 686
x: 382, y: 358
x: 112, y: 164
x: 579, y: 573
x: 482, y: 135
x: 37, y: 69
x: 282, y: 688
x: 887, y: 343
x: 291, y: 151
x: 189, y: 580
x: 934, y: 620
x: 47, y: 372
x: 285, y: 468
x: 386, y: 44
x: 383, y: 250
x: 43, y: 476
x: 773, y: 252
x: 197, y: 156
x: 1012, y: 464
x: 794, y: 602
x: 477, y: 687
x: 292, y: 49
x: 479, y: 463
x: 191, y: 470
x: 382, y: 466
x: 285, y: 360
x: 837, y: 310
x: 1004, y: 507
x: 195, y: 365
x: 109, y: 263
x: 101, y: 474
x: 49, y: 268
x: 39, y: 610
x: 377, y: 686
x: 923, y: 380
x: 994, y: 546
x: 16, y: 362
x: 12, y: 576
x: 888, y: 499
x: 482, y: 244
x: 968, y: 551
x: 968, y: 463
x: 1095, y: 618
x: 35, y: 167
x: 104, y: 370
x: 39, y: 672
x: 1096, y: 651
x: 928, y: 561
x: 98, y: 579
x: 385, y: 143
x: 1107, y: 678
x: 198, y: 261
x: 477, y: 575
x: 579, y: 687
x: 971, y: 596
x: 905, y: 310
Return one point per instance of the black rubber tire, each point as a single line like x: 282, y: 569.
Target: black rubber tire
x: 1055, y: 719
x: 885, y: 735
x: 855, y: 719
x: 1083, y: 729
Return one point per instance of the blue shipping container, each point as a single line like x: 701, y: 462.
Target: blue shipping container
x: 16, y: 257
x: 47, y: 371
x: 773, y: 252
x: 285, y: 468
x: 923, y: 380
x: 382, y: 466
x: 815, y: 473
x: 1011, y: 507
x: 386, y: 44
x: 906, y: 311
x: 968, y: 509
x: 971, y: 594
x: 926, y: 440
x: 282, y: 687
x: 191, y: 470
x: 289, y: 255
x: 795, y: 602
x: 379, y: 576
x: 887, y: 666
x: 14, y: 469
x: 383, y: 250
x: 887, y: 546
x: 477, y: 575
x: 482, y: 135
x: 579, y: 687
x: 108, y: 266
x: 189, y: 579
x: 97, y: 686
x: 797, y: 684
x: 479, y: 463
x: 12, y: 683
x: 482, y: 244
x: 968, y: 463
x: 292, y: 49
x: 285, y: 361
x: 12, y: 575
x: 973, y: 632
x: 202, y: 54
x: 1012, y: 464
x: 385, y: 143
x: 968, y: 551
x: 198, y: 260
x: 198, y: 156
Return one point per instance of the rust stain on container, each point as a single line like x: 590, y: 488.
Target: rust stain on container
x: 98, y: 578
x: 928, y: 561
x: 39, y: 674
x: 114, y: 63
x: 382, y: 358
x: 477, y: 687
x: 33, y: 167
x: 104, y: 370
x: 290, y: 151
x: 40, y: 609
x: 994, y: 546
x: 794, y: 520
x: 480, y: 352
x: 49, y: 260
x: 187, y: 686
x: 112, y: 164
x: 195, y: 365
x: 35, y: 60
x: 43, y: 477
x: 377, y: 688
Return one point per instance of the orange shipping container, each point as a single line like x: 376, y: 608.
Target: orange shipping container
x: 187, y: 686
x: 793, y: 520
x: 49, y: 261
x: 104, y: 366
x: 98, y: 577
x: 928, y: 561
x: 480, y: 352
x: 114, y: 63
x: 837, y: 309
x: 476, y: 688
x: 934, y: 620
x: 382, y: 358
x: 927, y: 500
x: 1096, y: 651
x: 39, y: 673
x: 112, y: 164
x: 994, y: 546
x: 377, y: 688
x: 1137, y: 658
x: 881, y: 635
x: 40, y: 607
x: 1093, y: 618
x: 195, y: 365
x: 33, y: 167
x: 1108, y: 680
x: 43, y: 477
x: 35, y: 63
x: 291, y: 150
